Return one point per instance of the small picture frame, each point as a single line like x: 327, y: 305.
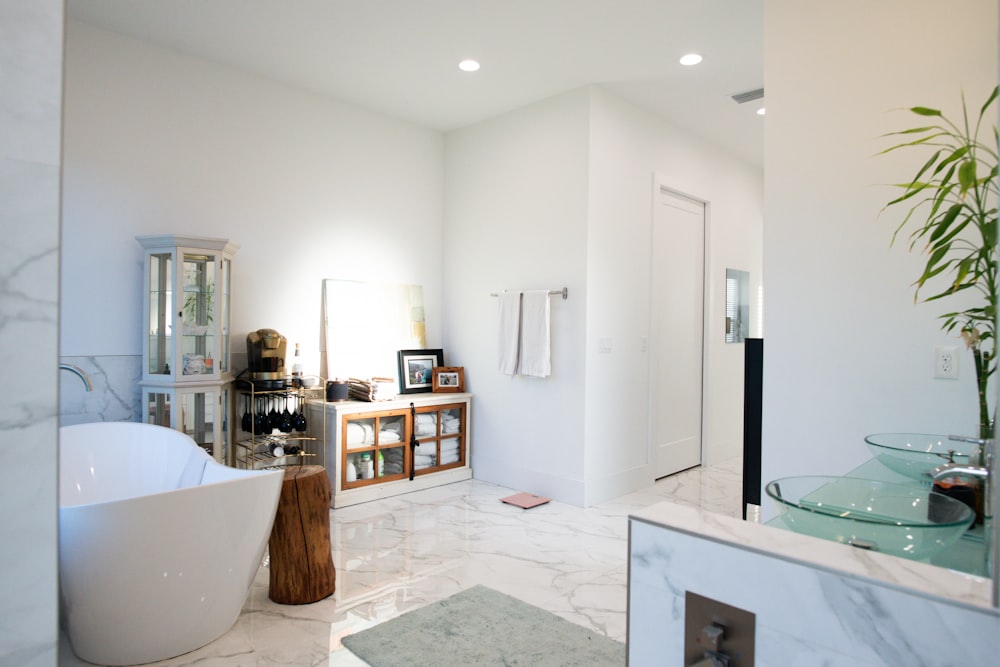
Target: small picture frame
x: 448, y: 378
x: 415, y: 369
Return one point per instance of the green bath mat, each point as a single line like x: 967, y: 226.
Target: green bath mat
x: 481, y: 626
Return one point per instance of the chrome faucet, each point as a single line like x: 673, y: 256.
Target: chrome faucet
x: 80, y: 373
x: 991, y: 499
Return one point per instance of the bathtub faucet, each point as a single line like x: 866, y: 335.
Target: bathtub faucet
x: 80, y: 373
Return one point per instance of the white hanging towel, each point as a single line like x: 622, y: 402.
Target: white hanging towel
x: 534, y: 358
x: 510, y: 328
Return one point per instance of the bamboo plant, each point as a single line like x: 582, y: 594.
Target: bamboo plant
x: 951, y: 217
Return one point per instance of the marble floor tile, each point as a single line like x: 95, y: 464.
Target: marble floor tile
x: 398, y: 554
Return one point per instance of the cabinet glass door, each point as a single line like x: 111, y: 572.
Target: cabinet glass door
x: 440, y: 433
x: 157, y: 406
x: 199, y: 413
x: 197, y: 315
x: 222, y: 360
x: 374, y: 448
x: 160, y: 336
x: 452, y: 450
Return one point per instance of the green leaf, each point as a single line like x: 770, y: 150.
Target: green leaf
x: 912, y: 189
x: 955, y: 155
x: 992, y: 98
x: 925, y: 111
x: 934, y: 260
x: 963, y: 271
x: 954, y: 232
x: 914, y: 130
x: 967, y: 175
x: 918, y: 142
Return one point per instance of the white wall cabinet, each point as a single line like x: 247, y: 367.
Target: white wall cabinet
x: 387, y: 448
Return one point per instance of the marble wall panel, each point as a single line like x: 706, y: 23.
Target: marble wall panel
x: 116, y: 394
x: 805, y: 615
x: 31, y: 38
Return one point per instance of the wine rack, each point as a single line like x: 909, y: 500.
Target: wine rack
x: 270, y: 435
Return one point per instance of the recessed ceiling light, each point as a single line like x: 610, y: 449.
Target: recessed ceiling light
x: 690, y: 59
x: 760, y: 111
x: 468, y: 65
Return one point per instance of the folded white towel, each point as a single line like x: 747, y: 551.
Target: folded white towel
x: 385, y: 436
x: 509, y: 331
x: 383, y: 390
x: 449, y: 446
x: 448, y: 458
x: 360, y: 433
x: 533, y: 358
x: 427, y: 418
x: 425, y: 449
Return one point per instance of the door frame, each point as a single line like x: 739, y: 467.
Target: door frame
x: 664, y: 185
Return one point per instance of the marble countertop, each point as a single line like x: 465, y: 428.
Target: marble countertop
x: 814, y: 552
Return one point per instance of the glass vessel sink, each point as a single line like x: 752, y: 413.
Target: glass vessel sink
x: 916, y: 454
x: 900, y: 519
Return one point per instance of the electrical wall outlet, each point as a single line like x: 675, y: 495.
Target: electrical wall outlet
x: 945, y: 362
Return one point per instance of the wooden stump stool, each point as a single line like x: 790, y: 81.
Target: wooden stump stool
x: 301, y: 558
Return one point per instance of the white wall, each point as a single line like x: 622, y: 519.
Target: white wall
x: 560, y: 193
x: 31, y: 80
x: 631, y: 150
x: 158, y: 142
x: 516, y: 218
x: 556, y: 194
x: 847, y: 352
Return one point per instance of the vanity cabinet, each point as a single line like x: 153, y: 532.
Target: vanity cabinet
x: 186, y: 372
x: 370, y: 453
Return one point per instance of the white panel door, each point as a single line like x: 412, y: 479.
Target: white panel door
x: 677, y: 320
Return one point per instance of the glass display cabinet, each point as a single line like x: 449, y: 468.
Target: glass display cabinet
x: 186, y: 341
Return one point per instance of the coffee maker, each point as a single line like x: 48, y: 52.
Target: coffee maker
x: 266, y: 359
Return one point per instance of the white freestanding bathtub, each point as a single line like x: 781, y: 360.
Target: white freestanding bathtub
x: 158, y: 543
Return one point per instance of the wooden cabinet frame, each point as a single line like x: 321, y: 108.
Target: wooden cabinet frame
x: 359, y: 428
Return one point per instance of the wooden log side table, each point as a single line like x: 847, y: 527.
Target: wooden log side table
x: 301, y: 558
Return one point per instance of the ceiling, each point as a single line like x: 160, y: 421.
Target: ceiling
x: 400, y: 57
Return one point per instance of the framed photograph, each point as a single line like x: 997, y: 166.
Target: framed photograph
x: 415, y: 369
x: 448, y: 378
